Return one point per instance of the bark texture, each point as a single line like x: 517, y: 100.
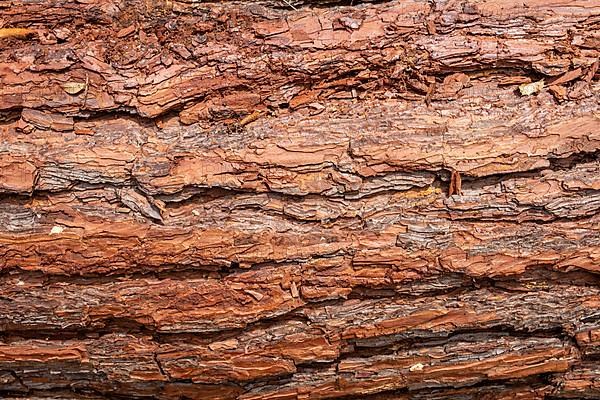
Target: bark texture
x: 303, y: 199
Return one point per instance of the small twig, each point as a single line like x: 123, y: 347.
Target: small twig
x: 290, y: 4
x: 16, y: 32
x: 250, y: 118
x: 87, y: 85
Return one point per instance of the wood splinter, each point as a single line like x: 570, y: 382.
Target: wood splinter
x: 16, y: 32
x: 455, y: 184
x: 250, y: 118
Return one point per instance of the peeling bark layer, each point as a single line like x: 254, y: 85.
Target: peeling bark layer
x: 299, y: 199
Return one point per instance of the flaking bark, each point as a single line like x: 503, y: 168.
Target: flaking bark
x: 299, y: 200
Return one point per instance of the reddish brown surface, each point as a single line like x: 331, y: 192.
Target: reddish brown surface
x: 252, y: 200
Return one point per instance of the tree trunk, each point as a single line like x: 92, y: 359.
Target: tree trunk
x: 299, y: 199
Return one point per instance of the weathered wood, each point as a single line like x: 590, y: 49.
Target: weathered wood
x: 299, y: 199
x: 580, y: 382
x: 137, y: 365
x: 230, y: 58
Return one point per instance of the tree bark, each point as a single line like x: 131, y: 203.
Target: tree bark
x: 299, y: 199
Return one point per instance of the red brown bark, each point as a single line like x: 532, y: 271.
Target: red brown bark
x: 306, y: 200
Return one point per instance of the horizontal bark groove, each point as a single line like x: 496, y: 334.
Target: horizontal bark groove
x: 137, y: 362
x: 384, y: 154
x: 392, y: 249
x: 162, y: 375
x: 166, y: 305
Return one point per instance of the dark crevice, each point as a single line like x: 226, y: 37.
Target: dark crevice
x: 123, y: 112
x: 540, y: 273
x: 9, y: 116
x: 390, y: 344
x: 324, y: 3
x: 573, y: 160
x: 518, y: 220
x: 409, y: 290
x: 556, y: 164
x: 109, y: 326
x: 160, y: 367
x: 132, y: 327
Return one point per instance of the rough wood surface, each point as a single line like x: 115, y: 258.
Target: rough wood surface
x: 310, y: 199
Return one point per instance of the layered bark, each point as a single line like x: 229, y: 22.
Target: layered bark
x: 304, y: 200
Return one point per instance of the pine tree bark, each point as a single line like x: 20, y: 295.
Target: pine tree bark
x: 299, y: 199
